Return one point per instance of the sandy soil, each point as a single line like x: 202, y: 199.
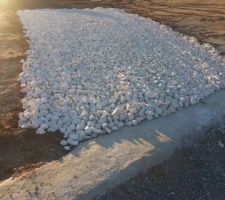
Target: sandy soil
x: 22, y: 150
x: 19, y: 148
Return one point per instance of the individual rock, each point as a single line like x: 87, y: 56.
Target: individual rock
x: 63, y: 142
x: 67, y: 148
x: 40, y: 131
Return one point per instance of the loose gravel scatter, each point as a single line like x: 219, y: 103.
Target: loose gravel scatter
x: 90, y: 72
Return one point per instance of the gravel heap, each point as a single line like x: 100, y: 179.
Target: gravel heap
x: 90, y: 72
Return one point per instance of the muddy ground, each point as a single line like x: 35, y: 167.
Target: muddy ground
x: 22, y: 150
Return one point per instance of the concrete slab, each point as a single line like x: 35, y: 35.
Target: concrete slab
x: 104, y: 162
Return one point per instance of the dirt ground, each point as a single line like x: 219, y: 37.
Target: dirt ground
x: 19, y: 148
x: 22, y: 150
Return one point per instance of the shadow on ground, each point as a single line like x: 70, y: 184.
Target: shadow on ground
x: 23, y: 148
x: 195, y: 171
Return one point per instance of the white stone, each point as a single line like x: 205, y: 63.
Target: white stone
x: 87, y: 129
x: 116, y: 111
x: 134, y: 122
x: 25, y: 125
x: 74, y: 136
x: 63, y: 142
x: 44, y: 126
x: 95, y: 130
x: 67, y: 148
x: 108, y: 130
x: 111, y: 80
x: 40, y: 131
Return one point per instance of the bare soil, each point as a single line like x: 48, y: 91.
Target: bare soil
x: 22, y: 150
x: 19, y: 148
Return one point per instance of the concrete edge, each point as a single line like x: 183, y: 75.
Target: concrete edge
x: 104, y: 162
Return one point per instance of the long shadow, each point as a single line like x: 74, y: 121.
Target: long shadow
x: 107, y: 143
x: 161, y: 136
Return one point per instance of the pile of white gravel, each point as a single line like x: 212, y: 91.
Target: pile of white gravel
x: 90, y: 72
